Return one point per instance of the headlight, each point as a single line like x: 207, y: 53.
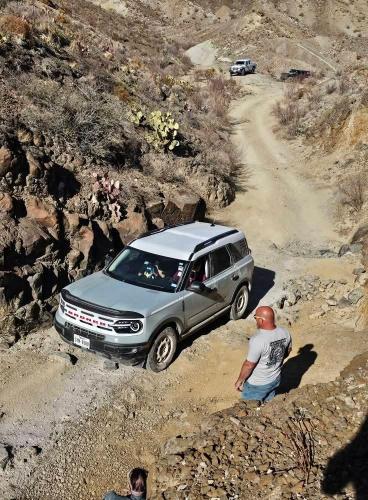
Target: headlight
x: 62, y: 304
x: 128, y: 326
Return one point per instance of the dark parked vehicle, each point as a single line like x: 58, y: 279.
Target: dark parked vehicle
x: 295, y: 73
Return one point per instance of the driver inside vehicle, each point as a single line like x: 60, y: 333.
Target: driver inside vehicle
x: 152, y: 271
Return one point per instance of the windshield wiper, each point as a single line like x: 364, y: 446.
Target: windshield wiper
x: 145, y: 285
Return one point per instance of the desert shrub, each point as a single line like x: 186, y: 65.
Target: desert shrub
x: 331, y: 88
x: 335, y: 115
x: 218, y: 104
x: 343, y: 86
x: 121, y: 92
x: 288, y: 113
x: 353, y: 191
x: 14, y: 25
x: 217, y: 85
x: 82, y: 118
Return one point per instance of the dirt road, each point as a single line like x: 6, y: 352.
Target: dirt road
x: 73, y: 429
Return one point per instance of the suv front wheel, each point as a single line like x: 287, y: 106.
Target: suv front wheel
x: 163, y: 350
x: 240, y: 303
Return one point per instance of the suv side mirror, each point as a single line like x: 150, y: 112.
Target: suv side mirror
x: 108, y: 258
x: 197, y: 287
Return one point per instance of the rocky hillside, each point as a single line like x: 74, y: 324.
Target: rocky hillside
x: 102, y: 137
x: 308, y: 444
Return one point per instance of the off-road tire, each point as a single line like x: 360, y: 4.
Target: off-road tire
x: 163, y: 346
x: 240, y: 303
x: 243, y: 72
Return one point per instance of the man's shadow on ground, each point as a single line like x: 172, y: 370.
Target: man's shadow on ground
x: 294, y: 368
x: 349, y: 466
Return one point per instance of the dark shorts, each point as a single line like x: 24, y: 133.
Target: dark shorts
x: 260, y: 392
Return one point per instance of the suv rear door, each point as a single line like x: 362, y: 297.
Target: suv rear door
x: 223, y: 277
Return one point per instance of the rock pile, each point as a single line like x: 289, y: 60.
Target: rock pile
x: 339, y: 294
x: 52, y: 231
x: 308, y: 444
x: 78, y: 177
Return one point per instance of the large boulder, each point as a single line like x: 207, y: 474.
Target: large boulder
x: 183, y: 207
x: 44, y: 213
x: 34, y: 165
x: 6, y: 203
x: 360, y: 237
x: 82, y: 243
x: 134, y: 225
x: 72, y: 222
x: 8, y: 236
x: 33, y: 239
x: 6, y: 160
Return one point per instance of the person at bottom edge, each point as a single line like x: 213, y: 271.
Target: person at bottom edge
x: 260, y: 373
x: 137, y: 487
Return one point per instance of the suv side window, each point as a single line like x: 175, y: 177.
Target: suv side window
x: 200, y: 270
x: 239, y: 249
x: 220, y: 260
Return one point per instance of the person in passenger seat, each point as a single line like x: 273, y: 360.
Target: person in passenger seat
x: 198, y: 272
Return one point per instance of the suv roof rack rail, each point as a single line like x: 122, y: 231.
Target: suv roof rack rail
x: 155, y: 231
x: 213, y: 240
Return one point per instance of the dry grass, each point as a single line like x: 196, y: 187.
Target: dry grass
x: 289, y: 114
x: 16, y: 26
x: 353, y: 191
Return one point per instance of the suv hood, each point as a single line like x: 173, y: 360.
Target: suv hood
x: 102, y: 290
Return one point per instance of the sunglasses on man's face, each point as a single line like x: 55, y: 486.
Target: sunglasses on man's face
x: 257, y: 317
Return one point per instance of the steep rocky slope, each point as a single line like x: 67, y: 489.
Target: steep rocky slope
x: 101, y: 139
x: 309, y: 444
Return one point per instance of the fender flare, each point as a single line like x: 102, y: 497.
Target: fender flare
x: 176, y: 323
x: 244, y: 282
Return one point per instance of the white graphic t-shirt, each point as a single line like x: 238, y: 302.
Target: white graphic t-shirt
x: 267, y: 348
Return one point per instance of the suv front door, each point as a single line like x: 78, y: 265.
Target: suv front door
x: 219, y: 277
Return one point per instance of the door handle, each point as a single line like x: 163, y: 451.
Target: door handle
x: 235, y: 277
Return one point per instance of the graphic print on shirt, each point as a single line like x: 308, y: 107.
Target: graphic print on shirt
x: 277, y: 353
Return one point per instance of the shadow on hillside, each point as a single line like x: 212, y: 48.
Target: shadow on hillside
x: 349, y: 466
x: 294, y: 368
x: 263, y: 281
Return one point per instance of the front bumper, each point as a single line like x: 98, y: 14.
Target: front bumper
x: 132, y: 354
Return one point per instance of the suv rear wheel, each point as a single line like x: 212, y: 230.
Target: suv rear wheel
x: 240, y: 303
x: 163, y: 350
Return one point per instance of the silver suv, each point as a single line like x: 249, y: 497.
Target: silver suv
x: 162, y: 287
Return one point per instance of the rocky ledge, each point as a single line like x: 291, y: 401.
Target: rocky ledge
x: 311, y: 444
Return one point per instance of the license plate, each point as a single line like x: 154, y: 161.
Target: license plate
x: 81, y: 341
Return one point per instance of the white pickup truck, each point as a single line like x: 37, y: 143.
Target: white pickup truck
x: 242, y: 67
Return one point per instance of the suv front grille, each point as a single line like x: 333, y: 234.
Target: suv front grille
x: 84, y: 333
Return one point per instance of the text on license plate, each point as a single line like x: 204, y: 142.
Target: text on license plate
x: 81, y: 341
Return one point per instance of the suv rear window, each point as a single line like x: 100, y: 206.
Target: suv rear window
x: 220, y: 260
x: 239, y: 249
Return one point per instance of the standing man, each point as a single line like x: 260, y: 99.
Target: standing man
x: 261, y: 372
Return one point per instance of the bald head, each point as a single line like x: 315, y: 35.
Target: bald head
x: 265, y: 318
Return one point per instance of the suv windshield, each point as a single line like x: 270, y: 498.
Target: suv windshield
x: 147, y: 269
x: 239, y: 63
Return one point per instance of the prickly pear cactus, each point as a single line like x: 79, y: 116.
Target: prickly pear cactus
x: 136, y: 116
x: 164, y: 130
